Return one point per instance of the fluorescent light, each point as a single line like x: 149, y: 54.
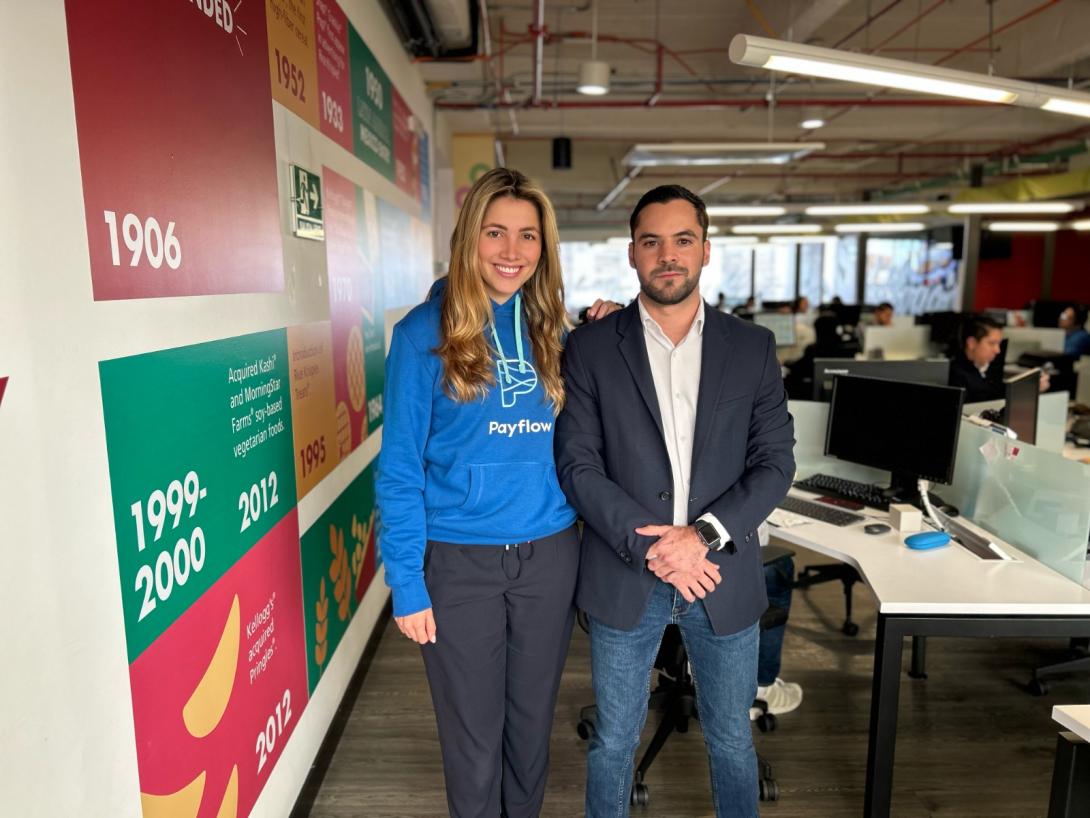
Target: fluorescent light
x: 1012, y: 207
x: 746, y: 210
x: 708, y: 154
x: 796, y: 58
x: 1060, y: 105
x: 812, y: 124
x: 712, y: 229
x: 772, y: 229
x: 799, y: 239
x: 735, y: 240
x: 620, y: 240
x: 1083, y: 224
x: 618, y: 189
x: 889, y: 79
x: 593, y: 78
x: 867, y: 210
x: 881, y: 227
x: 1024, y: 227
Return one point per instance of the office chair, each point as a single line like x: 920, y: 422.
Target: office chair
x: 675, y: 695
x: 817, y: 574
x: 1079, y: 651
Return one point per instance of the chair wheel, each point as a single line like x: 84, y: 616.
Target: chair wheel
x: 766, y: 722
x: 1036, y: 687
x: 585, y: 729
x: 641, y: 796
x: 769, y: 791
x: 850, y: 629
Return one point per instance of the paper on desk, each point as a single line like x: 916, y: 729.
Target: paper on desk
x: 785, y: 519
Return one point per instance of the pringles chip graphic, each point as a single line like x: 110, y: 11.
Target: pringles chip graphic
x: 205, y: 707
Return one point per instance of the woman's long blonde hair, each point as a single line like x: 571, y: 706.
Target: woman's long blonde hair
x: 467, y: 358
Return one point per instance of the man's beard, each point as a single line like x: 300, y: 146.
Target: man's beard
x: 675, y: 295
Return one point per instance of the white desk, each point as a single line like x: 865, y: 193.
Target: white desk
x: 944, y: 592
x: 1070, y: 795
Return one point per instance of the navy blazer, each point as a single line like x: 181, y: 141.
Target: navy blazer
x: 615, y: 470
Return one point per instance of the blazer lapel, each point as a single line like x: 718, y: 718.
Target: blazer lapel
x: 634, y: 351
x: 715, y: 359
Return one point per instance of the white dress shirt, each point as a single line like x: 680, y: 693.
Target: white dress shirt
x: 675, y: 370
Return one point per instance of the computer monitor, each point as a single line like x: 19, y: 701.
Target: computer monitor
x: 908, y: 429
x: 782, y: 325
x: 936, y: 371
x: 1047, y: 313
x: 945, y: 326
x: 1020, y: 410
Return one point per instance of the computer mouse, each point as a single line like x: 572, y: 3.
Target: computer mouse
x: 876, y: 528
x: 927, y: 540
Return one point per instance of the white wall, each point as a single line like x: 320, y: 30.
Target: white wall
x: 66, y: 726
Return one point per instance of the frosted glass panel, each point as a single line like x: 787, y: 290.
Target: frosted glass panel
x: 1030, y: 497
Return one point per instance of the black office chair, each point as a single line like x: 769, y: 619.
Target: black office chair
x: 675, y: 695
x: 1079, y: 662
x: 830, y: 572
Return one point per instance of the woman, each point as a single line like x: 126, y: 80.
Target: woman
x: 478, y: 540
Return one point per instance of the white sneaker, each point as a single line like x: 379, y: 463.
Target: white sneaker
x: 780, y: 696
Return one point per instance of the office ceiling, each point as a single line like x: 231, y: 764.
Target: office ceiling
x: 879, y: 144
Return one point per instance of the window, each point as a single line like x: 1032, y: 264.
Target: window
x: 596, y: 270
x: 774, y: 272
x: 811, y: 255
x: 729, y: 271
x: 838, y: 275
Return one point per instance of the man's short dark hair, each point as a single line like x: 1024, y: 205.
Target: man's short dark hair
x: 885, y: 305
x: 1080, y: 313
x: 980, y: 327
x: 669, y: 193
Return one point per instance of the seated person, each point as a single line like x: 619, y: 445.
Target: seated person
x: 975, y: 369
x: 780, y: 696
x: 804, y: 331
x: 1076, y: 338
x: 883, y: 314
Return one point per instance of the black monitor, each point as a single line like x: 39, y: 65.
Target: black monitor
x: 908, y: 429
x: 1047, y: 313
x: 944, y: 326
x: 827, y: 369
x: 1020, y: 411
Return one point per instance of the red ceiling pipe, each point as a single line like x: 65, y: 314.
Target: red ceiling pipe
x: 1008, y: 25
x: 743, y: 102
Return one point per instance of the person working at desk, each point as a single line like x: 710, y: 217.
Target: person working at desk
x: 975, y: 368
x: 883, y: 315
x: 674, y: 444
x: 1076, y: 338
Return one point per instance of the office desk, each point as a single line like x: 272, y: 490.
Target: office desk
x: 945, y: 592
x: 1070, y: 795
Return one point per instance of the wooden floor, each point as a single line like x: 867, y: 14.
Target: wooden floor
x: 970, y: 741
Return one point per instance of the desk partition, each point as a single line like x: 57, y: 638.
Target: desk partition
x: 1030, y: 497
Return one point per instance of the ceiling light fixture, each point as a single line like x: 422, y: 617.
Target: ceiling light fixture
x: 718, y: 153
x: 745, y: 210
x: 593, y: 73
x: 1011, y: 207
x: 818, y: 239
x: 880, y: 227
x: 1023, y: 227
x: 867, y: 210
x: 808, y: 60
x: 1083, y: 224
x: 736, y: 240
x: 774, y: 229
x: 713, y: 229
x: 812, y: 124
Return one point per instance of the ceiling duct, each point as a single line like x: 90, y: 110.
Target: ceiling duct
x: 440, y: 29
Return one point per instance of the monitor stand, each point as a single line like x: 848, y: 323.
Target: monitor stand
x: 903, y: 489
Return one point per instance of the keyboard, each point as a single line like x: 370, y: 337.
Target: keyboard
x: 866, y: 493
x: 819, y: 512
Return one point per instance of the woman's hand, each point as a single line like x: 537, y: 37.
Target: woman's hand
x: 420, y: 626
x: 601, y: 308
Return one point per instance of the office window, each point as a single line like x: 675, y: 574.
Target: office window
x: 838, y: 275
x: 896, y: 272
x: 774, y: 272
x: 596, y: 269
x: 811, y: 257
x: 729, y: 271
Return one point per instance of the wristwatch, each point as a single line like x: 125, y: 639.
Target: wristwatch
x: 708, y: 535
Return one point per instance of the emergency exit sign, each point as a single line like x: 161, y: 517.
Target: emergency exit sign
x: 306, y: 204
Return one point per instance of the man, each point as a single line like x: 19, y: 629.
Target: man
x: 883, y: 315
x: 674, y: 445
x: 1076, y: 338
x: 975, y: 369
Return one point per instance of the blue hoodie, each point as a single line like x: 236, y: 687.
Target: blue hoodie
x: 476, y: 473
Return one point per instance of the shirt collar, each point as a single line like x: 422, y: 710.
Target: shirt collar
x: 651, y: 324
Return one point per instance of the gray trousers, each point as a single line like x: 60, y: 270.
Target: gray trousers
x: 503, y: 619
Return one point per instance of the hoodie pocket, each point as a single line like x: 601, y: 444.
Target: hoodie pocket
x: 508, y: 490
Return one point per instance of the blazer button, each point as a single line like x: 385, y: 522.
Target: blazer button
x: 664, y: 496
x: 747, y: 537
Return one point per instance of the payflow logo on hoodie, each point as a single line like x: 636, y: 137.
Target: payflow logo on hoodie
x: 512, y: 382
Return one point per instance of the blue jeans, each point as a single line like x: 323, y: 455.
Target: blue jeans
x: 779, y: 579
x: 725, y: 672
